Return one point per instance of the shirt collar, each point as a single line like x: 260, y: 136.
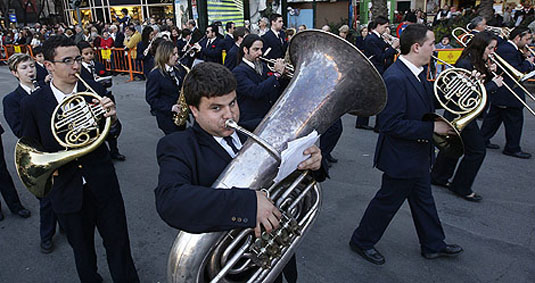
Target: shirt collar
x: 59, y: 94
x: 275, y: 32
x: 26, y: 88
x: 414, y: 70
x: 228, y: 149
x: 376, y: 33
x: 249, y: 63
x: 512, y: 43
x: 168, y: 68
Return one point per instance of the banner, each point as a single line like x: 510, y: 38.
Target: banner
x: 17, y: 49
x: 225, y: 11
x: 106, y: 54
x: 449, y: 55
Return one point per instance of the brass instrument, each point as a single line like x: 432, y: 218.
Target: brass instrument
x: 390, y: 39
x: 461, y: 94
x: 182, y: 117
x: 271, y: 66
x: 75, y: 126
x: 332, y: 77
x: 502, y: 32
x: 516, y: 76
x: 190, y: 51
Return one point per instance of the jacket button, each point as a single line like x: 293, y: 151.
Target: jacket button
x: 80, y: 166
x: 239, y: 219
x: 245, y: 220
x: 233, y: 219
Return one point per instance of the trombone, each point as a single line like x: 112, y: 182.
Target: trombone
x: 512, y: 73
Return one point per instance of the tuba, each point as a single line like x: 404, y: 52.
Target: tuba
x: 332, y: 77
x: 75, y: 125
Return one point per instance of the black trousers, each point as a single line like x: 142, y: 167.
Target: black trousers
x: 474, y: 154
x: 331, y: 137
x: 7, y: 187
x: 112, y: 144
x: 289, y: 271
x: 387, y: 202
x: 108, y: 216
x: 513, y: 120
x: 48, y: 219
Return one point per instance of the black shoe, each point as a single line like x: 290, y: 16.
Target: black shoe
x: 47, y: 246
x: 371, y: 255
x: 1, y: 216
x: 518, y: 154
x: 473, y: 197
x: 440, y: 184
x: 493, y: 146
x: 118, y: 156
x: 24, y: 213
x: 448, y: 251
x: 364, y: 127
x: 331, y: 159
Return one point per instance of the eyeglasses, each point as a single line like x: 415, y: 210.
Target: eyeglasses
x: 69, y: 61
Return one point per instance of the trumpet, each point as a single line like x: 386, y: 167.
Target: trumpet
x: 516, y: 76
x: 271, y: 65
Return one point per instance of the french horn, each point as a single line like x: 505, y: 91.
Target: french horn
x: 331, y: 78
x: 75, y: 124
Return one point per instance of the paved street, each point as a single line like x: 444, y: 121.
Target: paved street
x: 498, y: 234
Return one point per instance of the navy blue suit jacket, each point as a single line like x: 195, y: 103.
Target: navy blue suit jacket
x: 227, y: 43
x: 190, y: 161
x: 404, y: 148
x: 12, y: 110
x: 379, y: 49
x: 100, y: 70
x: 212, y: 53
x: 161, y: 92
x: 42, y: 72
x: 256, y: 94
x: 231, y: 61
x: 278, y: 44
x: 515, y: 58
x: 96, y: 167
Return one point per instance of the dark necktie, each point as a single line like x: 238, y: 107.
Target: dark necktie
x: 173, y: 76
x: 231, y: 144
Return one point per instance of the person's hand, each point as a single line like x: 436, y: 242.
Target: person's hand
x: 498, y: 80
x: 108, y: 104
x: 48, y: 78
x: 493, y: 67
x: 280, y: 66
x: 395, y: 44
x: 313, y: 162
x: 175, y: 108
x: 443, y: 128
x: 267, y: 215
x: 530, y: 59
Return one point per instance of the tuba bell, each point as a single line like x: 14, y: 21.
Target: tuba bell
x: 75, y: 124
x: 332, y: 77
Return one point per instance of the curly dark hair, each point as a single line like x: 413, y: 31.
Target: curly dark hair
x: 207, y: 80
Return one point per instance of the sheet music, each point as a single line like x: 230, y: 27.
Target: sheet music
x: 293, y: 155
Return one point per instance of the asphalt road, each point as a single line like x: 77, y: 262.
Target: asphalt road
x: 497, y: 234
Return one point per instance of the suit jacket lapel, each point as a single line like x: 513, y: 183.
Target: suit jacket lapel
x: 207, y: 140
x: 49, y: 98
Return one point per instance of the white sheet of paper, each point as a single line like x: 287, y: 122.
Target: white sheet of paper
x: 293, y: 155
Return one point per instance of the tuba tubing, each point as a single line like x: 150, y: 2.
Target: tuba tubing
x: 332, y: 77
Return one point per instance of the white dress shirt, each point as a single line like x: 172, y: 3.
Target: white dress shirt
x: 414, y: 70
x: 26, y: 88
x: 235, y: 140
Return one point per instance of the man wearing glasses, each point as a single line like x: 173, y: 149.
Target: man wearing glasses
x: 85, y: 192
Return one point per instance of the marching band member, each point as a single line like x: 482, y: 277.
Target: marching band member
x: 22, y: 67
x: 405, y: 153
x: 257, y: 91
x: 228, y: 42
x: 211, y: 46
x: 42, y: 73
x: 196, y: 34
x: 474, y: 57
x: 92, y: 70
x: 143, y: 49
x: 232, y: 55
x: 163, y: 87
x: 477, y: 25
x: 275, y: 39
x: 190, y: 161
x: 504, y: 106
x: 85, y: 192
x: 378, y: 51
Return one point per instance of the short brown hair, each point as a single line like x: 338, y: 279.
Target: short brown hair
x: 17, y: 58
x: 208, y: 80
